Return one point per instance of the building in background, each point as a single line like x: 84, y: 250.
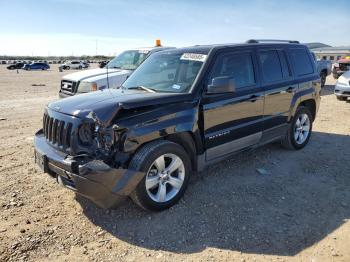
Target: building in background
x: 326, y: 52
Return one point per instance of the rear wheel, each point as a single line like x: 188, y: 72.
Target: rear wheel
x: 167, y: 167
x: 300, y: 129
x: 67, y: 67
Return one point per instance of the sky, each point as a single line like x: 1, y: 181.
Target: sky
x: 107, y: 27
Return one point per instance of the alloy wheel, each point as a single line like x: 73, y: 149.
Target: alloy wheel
x: 302, y: 129
x: 165, y: 178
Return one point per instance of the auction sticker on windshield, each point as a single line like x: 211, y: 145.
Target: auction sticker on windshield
x: 193, y: 57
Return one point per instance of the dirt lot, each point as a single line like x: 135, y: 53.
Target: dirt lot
x: 298, y: 211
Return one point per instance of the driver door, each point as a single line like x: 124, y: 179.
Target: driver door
x: 233, y: 121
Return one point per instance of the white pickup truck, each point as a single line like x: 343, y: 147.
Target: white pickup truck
x: 117, y: 71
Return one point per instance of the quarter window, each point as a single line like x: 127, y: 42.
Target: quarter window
x: 238, y: 66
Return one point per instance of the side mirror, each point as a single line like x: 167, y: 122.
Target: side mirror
x: 221, y: 84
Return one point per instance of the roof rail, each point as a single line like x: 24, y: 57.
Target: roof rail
x: 256, y: 41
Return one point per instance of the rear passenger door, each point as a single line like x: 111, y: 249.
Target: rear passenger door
x: 233, y: 121
x: 278, y: 85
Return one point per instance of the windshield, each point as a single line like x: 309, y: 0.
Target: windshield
x: 128, y: 60
x: 167, y: 72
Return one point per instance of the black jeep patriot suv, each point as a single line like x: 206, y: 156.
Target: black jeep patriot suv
x: 180, y: 111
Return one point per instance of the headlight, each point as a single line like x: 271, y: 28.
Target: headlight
x: 343, y: 81
x: 85, y: 87
x: 86, y: 134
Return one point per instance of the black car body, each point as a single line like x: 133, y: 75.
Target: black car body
x: 16, y: 66
x: 240, y: 96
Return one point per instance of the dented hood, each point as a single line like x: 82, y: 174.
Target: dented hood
x: 104, y: 105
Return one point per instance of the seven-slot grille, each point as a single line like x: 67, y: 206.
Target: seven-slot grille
x: 68, y: 86
x: 57, y: 132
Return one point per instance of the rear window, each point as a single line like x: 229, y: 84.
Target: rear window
x: 301, y: 61
x: 270, y: 65
x: 285, y: 68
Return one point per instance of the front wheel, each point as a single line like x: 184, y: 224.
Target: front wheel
x: 167, y: 167
x: 299, y: 131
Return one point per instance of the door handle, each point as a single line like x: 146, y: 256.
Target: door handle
x: 253, y: 98
x: 290, y: 89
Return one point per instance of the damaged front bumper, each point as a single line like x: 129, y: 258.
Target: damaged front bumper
x: 93, y: 179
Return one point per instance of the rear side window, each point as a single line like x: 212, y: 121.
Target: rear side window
x: 285, y: 68
x: 238, y: 66
x: 270, y: 65
x: 301, y: 61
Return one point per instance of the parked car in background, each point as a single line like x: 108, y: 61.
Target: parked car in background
x: 117, y: 71
x: 324, y: 68
x: 85, y: 65
x: 16, y: 66
x: 181, y: 111
x: 36, y: 66
x: 102, y: 64
x: 73, y: 65
x: 340, y: 67
x: 342, y: 87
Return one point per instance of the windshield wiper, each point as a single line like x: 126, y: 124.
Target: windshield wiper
x: 151, y: 90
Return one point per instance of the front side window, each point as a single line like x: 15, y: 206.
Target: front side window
x: 167, y: 72
x: 237, y: 66
x: 128, y: 60
x: 301, y: 61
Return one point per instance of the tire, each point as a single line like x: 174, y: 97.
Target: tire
x: 146, y: 160
x: 323, y: 79
x: 67, y: 67
x: 290, y: 141
x: 342, y: 98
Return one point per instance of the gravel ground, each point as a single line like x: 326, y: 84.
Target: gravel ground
x: 298, y: 211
